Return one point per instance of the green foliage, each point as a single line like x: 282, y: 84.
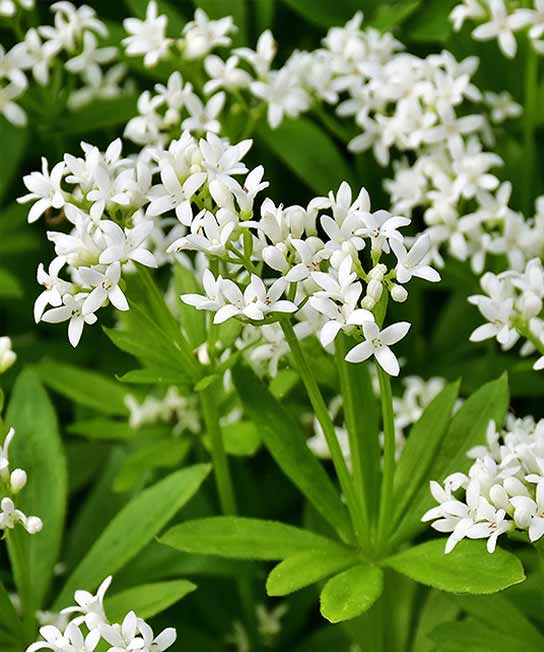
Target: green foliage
x: 469, y: 568
x: 351, y: 593
x: 147, y: 600
x: 144, y: 517
x: 37, y: 447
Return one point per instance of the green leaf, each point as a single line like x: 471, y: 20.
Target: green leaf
x: 431, y: 24
x: 132, y: 528
x: 285, y: 440
x: 14, y: 141
x: 10, y: 288
x: 501, y: 614
x: 115, y: 430
x: 472, y: 636
x: 9, y: 619
x: 138, y: 464
x: 264, y: 14
x: 325, y: 13
x: 101, y: 114
x: 469, y: 568
x: 309, y: 152
x: 243, y: 538
x: 192, y: 321
x: 389, y: 15
x: 467, y: 429
x: 153, y: 376
x: 88, y: 388
x: 351, y: 593
x: 146, y: 600
x: 423, y: 441
x: 306, y: 568
x: 241, y: 438
x: 36, y: 447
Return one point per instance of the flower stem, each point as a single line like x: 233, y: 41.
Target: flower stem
x: 388, y: 456
x: 350, y: 415
x: 225, y: 489
x: 529, y: 124
x: 324, y: 418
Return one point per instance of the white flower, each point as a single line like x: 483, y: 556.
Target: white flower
x: 105, y: 286
x: 71, y: 311
x: 262, y: 57
x: 529, y: 513
x: 339, y: 317
x: 8, y: 108
x: 381, y: 227
x: 468, y: 9
x: 88, y: 61
x: 158, y: 643
x: 127, y: 244
x: 283, y: 94
x: 209, y: 233
x: 224, y: 74
x: 377, y: 344
x: 71, y: 640
x: 148, y: 37
x: 213, y: 299
x: 255, y: 302
x: 203, y: 117
x: 4, y: 454
x: 174, y: 195
x: 90, y: 607
x: 124, y: 637
x: 202, y: 35
x: 45, y: 188
x: 502, y: 106
x: 502, y: 25
x: 411, y: 263
x: 7, y: 357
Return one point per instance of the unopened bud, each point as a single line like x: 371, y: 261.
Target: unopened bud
x: 374, y: 290
x: 399, y: 294
x: 33, y: 524
x: 377, y: 272
x: 17, y: 480
x: 368, y: 303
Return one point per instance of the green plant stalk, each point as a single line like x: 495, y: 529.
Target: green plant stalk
x: 225, y: 489
x: 350, y: 415
x: 386, y: 495
x: 529, y: 124
x: 324, y: 418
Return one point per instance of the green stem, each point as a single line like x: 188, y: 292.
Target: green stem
x: 386, y: 495
x: 529, y: 124
x: 223, y: 480
x: 350, y: 415
x: 324, y: 418
x: 225, y: 490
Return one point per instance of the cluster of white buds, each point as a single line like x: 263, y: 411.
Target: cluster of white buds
x: 502, y: 20
x: 407, y: 409
x: 71, y: 44
x: 172, y: 408
x: 90, y: 629
x: 512, y: 307
x: 503, y: 490
x: 7, y: 355
x: 11, y: 483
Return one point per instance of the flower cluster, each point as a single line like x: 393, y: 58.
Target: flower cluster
x: 8, y: 8
x: 500, y: 20
x: 407, y: 409
x: 503, y: 490
x: 413, y: 111
x: 172, y: 407
x: 512, y: 307
x: 7, y: 355
x: 71, y: 44
x: 11, y: 483
x: 90, y: 627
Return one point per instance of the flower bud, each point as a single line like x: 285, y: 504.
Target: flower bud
x: 374, y: 290
x: 7, y: 356
x: 17, y: 480
x: 399, y: 294
x: 368, y: 303
x: 275, y: 258
x: 33, y: 524
x: 377, y: 272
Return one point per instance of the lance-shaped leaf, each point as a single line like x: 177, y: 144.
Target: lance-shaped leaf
x: 351, y: 593
x: 306, y: 568
x: 147, y: 600
x: 133, y: 528
x: 38, y: 449
x: 244, y: 538
x: 285, y: 440
x: 469, y: 568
